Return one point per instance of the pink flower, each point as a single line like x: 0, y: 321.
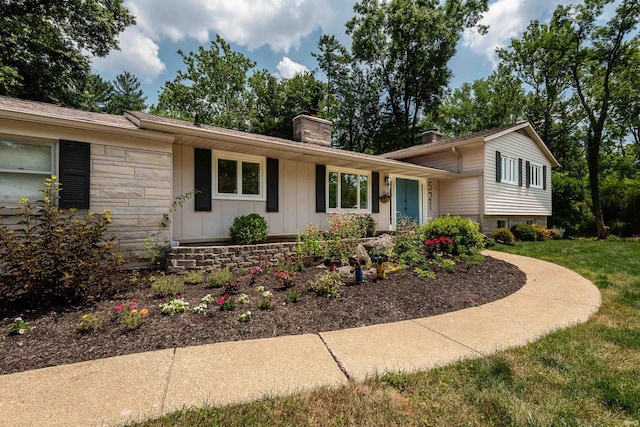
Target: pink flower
x: 133, y: 307
x: 221, y: 301
x: 118, y: 307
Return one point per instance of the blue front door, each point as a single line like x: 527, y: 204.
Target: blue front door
x: 408, y: 199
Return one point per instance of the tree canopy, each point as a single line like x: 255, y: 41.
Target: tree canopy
x: 46, y: 45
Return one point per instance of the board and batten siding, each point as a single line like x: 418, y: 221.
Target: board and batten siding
x: 296, y: 203
x: 460, y: 196
x: 509, y: 199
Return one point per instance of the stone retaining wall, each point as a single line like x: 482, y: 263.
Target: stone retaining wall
x: 184, y: 258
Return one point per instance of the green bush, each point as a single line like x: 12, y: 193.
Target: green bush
x: 367, y: 225
x: 327, y: 284
x: 489, y: 242
x: 193, y: 277
x: 503, y: 235
x: 524, y: 232
x: 168, y: 286
x: 542, y: 232
x: 408, y: 246
x: 464, y: 233
x: 248, y: 229
x: 219, y: 278
x: 54, y: 255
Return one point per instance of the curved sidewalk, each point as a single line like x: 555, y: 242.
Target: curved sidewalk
x: 145, y: 385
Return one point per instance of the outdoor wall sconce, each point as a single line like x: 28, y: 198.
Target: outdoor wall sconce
x: 387, y: 181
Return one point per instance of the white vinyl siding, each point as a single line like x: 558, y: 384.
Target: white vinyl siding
x: 505, y: 199
x: 460, y: 196
x: 296, y: 203
x: 446, y: 160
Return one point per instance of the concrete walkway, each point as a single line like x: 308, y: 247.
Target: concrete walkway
x: 140, y: 386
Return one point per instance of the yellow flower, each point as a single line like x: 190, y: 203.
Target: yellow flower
x: 134, y: 311
x: 86, y: 316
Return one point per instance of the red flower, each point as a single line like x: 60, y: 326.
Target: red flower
x: 134, y: 300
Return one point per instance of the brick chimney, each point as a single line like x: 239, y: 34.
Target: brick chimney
x: 431, y: 135
x: 311, y: 129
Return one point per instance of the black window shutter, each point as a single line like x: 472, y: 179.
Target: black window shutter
x: 202, y: 167
x: 375, y: 190
x: 528, y: 173
x: 272, y: 184
x: 321, y: 188
x: 75, y: 171
x: 498, y: 167
x: 520, y: 172
x: 544, y: 177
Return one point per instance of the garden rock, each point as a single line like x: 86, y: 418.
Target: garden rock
x: 380, y: 244
x: 362, y: 255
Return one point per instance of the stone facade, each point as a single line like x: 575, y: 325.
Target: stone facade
x: 208, y: 258
x: 490, y: 223
x: 135, y: 184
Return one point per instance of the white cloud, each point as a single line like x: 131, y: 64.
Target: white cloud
x: 507, y: 19
x: 138, y: 54
x: 288, y: 68
x: 279, y: 24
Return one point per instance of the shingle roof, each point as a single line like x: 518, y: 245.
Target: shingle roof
x: 55, y: 111
x: 420, y: 149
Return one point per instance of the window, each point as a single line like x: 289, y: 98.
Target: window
x: 509, y: 168
x: 239, y: 176
x: 535, y: 175
x: 531, y: 221
x: 348, y: 190
x: 23, y: 168
x: 502, y: 223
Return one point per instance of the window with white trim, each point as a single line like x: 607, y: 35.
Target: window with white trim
x: 503, y: 223
x: 239, y: 176
x: 348, y: 190
x: 535, y: 176
x: 509, y: 170
x: 23, y: 169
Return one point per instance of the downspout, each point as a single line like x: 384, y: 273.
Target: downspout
x: 454, y: 151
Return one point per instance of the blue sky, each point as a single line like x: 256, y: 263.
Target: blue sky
x: 280, y: 35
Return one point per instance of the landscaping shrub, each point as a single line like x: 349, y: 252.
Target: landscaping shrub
x: 327, y: 284
x: 248, y: 229
x: 54, y: 255
x: 193, y: 277
x: 367, y: 224
x: 343, y: 236
x: 167, y: 285
x: 408, y: 246
x: 542, y: 233
x: 219, y: 278
x: 503, y: 235
x: 464, y: 233
x: 489, y: 242
x: 524, y: 232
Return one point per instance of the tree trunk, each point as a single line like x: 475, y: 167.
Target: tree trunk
x: 593, y: 162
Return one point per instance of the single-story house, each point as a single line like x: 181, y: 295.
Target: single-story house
x: 138, y: 165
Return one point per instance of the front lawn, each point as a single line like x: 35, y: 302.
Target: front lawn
x: 583, y: 375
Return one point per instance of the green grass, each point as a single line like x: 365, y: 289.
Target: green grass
x: 585, y: 375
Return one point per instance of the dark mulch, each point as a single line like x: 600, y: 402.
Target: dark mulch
x: 53, y: 339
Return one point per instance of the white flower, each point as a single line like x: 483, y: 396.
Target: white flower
x: 260, y: 288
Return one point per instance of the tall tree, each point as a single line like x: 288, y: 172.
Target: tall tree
x: 406, y: 44
x: 45, y: 46
x: 214, y: 85
x: 96, y: 94
x: 126, y: 94
x: 598, y: 53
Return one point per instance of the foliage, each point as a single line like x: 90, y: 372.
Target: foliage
x: 177, y: 203
x: 327, y: 284
x: 343, y: 235
x: 424, y: 273
x: 438, y: 246
x: 407, y: 243
x: 293, y: 296
x: 154, y: 253
x: 489, y: 242
x: 448, y: 265
x: 193, y: 277
x: 18, y: 326
x: 310, y: 244
x: 219, y: 278
x: 126, y: 95
x: 47, y: 46
x: 245, y: 317
x: 524, y: 232
x: 173, y: 305
x: 265, y: 303
x: 248, y: 229
x: 226, y: 303
x: 129, y: 316
x: 399, y: 55
x: 91, y: 322
x: 462, y: 231
x: 542, y: 233
x: 167, y: 285
x: 503, y: 235
x: 55, y: 255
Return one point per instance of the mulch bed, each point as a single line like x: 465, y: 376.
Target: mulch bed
x: 53, y: 338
